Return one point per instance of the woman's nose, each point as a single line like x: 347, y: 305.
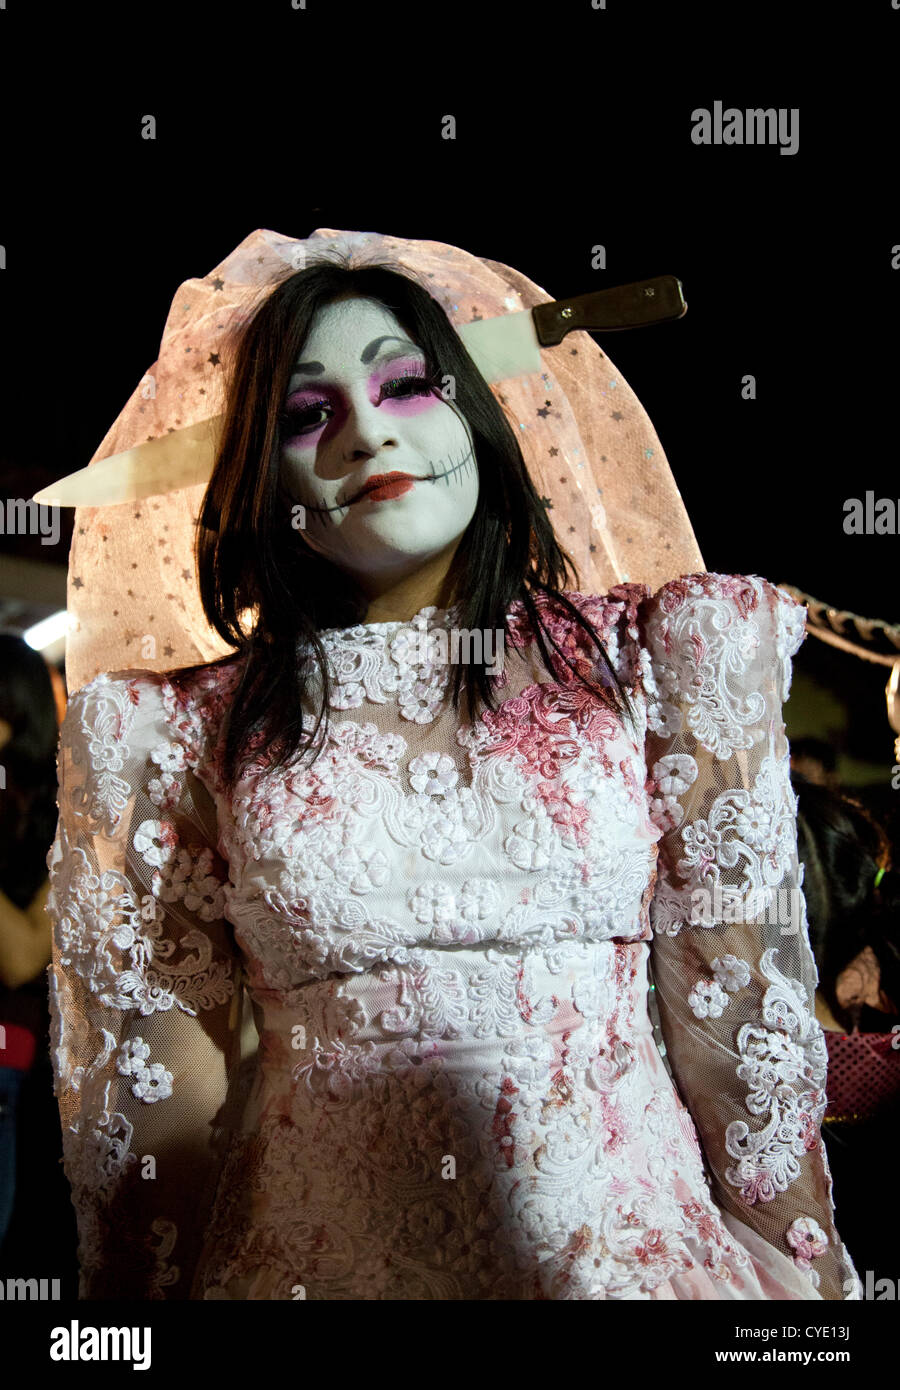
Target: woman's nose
x: 365, y: 427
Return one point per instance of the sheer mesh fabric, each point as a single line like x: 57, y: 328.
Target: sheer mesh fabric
x: 145, y: 992
x: 737, y: 998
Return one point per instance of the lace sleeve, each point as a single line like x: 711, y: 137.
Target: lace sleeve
x: 733, y: 972
x: 143, y: 999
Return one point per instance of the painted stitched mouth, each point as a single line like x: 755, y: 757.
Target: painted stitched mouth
x: 379, y: 480
x: 322, y: 511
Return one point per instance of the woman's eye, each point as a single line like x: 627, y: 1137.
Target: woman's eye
x: 419, y: 385
x: 301, y: 420
x: 297, y: 421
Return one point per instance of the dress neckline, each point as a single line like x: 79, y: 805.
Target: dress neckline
x: 428, y: 616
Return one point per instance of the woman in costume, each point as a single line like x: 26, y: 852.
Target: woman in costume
x: 441, y: 871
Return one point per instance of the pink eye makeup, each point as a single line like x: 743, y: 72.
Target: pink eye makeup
x: 403, y: 389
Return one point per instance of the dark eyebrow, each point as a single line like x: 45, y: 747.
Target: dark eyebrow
x: 316, y: 368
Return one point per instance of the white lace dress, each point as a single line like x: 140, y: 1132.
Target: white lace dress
x: 455, y: 939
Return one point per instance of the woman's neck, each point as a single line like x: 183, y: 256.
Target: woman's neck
x: 428, y: 585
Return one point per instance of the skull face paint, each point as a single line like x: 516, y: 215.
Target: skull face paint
x: 358, y: 408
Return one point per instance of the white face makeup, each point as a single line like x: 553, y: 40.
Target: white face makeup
x: 357, y: 406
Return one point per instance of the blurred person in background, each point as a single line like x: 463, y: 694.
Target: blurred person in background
x: 853, y: 906
x: 32, y: 1193
x: 815, y: 761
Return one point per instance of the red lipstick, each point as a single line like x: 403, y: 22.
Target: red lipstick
x: 382, y: 486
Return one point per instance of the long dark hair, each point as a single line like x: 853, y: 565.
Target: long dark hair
x: 251, y: 562
x: 842, y: 848
x: 28, y: 810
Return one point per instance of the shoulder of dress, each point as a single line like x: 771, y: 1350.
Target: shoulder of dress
x: 188, y: 700
x: 745, y: 593
x: 704, y: 619
x: 127, y: 687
